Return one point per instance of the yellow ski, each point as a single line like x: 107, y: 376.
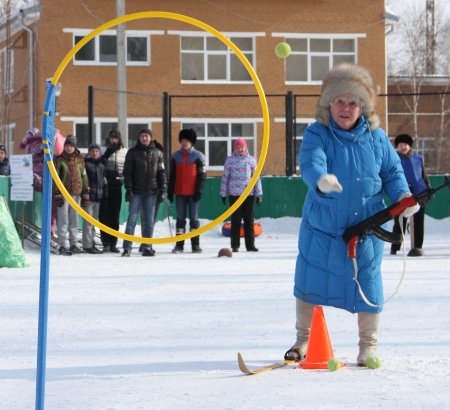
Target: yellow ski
x: 244, y: 369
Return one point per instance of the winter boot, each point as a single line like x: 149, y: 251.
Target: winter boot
x: 415, y: 252
x: 304, y: 313
x: 195, y: 244
x: 368, y: 336
x: 179, y: 246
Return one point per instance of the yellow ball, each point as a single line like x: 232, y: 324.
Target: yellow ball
x: 373, y: 362
x: 334, y: 364
x: 282, y: 50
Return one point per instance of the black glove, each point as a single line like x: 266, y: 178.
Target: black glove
x: 85, y: 199
x: 58, y: 200
x: 129, y: 195
x: 224, y: 200
x: 170, y: 197
x: 197, y: 197
x: 258, y: 200
x: 161, y: 196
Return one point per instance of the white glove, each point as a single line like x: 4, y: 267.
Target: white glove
x: 411, y: 210
x: 329, y: 183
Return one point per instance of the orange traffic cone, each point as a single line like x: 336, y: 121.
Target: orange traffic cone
x: 319, y: 346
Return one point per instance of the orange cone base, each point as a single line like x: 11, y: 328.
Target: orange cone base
x: 314, y: 365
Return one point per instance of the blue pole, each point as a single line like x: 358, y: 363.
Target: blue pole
x: 48, y: 134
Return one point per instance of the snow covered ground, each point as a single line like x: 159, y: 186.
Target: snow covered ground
x: 163, y: 333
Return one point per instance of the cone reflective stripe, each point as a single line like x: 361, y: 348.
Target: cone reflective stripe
x: 319, y: 346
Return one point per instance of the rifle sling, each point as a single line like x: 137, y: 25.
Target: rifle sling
x: 387, y: 236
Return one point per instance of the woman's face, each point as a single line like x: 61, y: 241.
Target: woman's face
x: 345, y: 110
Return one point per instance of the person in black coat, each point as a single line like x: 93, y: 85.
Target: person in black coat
x: 145, y: 184
x: 95, y: 170
x: 4, y: 162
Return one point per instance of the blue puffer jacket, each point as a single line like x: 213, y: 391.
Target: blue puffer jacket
x: 365, y: 164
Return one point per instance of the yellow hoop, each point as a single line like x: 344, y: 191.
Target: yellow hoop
x: 264, y: 107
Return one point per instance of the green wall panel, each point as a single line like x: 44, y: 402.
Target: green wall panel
x: 282, y: 196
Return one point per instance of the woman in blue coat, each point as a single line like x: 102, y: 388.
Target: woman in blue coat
x: 348, y: 164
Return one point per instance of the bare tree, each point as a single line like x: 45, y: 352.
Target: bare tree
x: 408, y: 65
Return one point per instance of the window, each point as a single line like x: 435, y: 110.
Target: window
x: 312, y: 57
x: 215, y: 139
x: 101, y: 130
x: 207, y: 59
x: 425, y: 148
x: 102, y: 50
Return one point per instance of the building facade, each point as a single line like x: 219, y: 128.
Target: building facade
x: 421, y: 107
x: 208, y: 87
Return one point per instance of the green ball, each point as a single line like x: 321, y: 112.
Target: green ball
x: 373, y: 362
x: 282, y: 50
x: 334, y: 364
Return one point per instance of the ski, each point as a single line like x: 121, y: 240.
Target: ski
x: 244, y: 369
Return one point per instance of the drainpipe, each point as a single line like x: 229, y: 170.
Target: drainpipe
x: 30, y: 69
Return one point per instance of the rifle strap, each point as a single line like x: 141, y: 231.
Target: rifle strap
x: 360, y: 290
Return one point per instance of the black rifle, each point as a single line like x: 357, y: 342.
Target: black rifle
x: 373, y: 223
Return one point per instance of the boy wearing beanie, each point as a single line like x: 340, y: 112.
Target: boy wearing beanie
x: 348, y: 164
x: 95, y: 170
x: 418, y: 181
x: 186, y: 181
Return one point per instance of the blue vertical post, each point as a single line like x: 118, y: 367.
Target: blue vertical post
x: 48, y: 135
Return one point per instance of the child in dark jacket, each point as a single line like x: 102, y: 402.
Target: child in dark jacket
x: 418, y: 181
x: 186, y: 182
x: 95, y: 170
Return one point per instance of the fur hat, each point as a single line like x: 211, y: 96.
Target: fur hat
x: 240, y: 142
x: 71, y: 140
x: 405, y: 138
x: 188, y: 134
x: 350, y: 79
x: 94, y: 146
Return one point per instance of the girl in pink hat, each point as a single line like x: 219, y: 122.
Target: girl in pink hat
x: 238, y: 170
